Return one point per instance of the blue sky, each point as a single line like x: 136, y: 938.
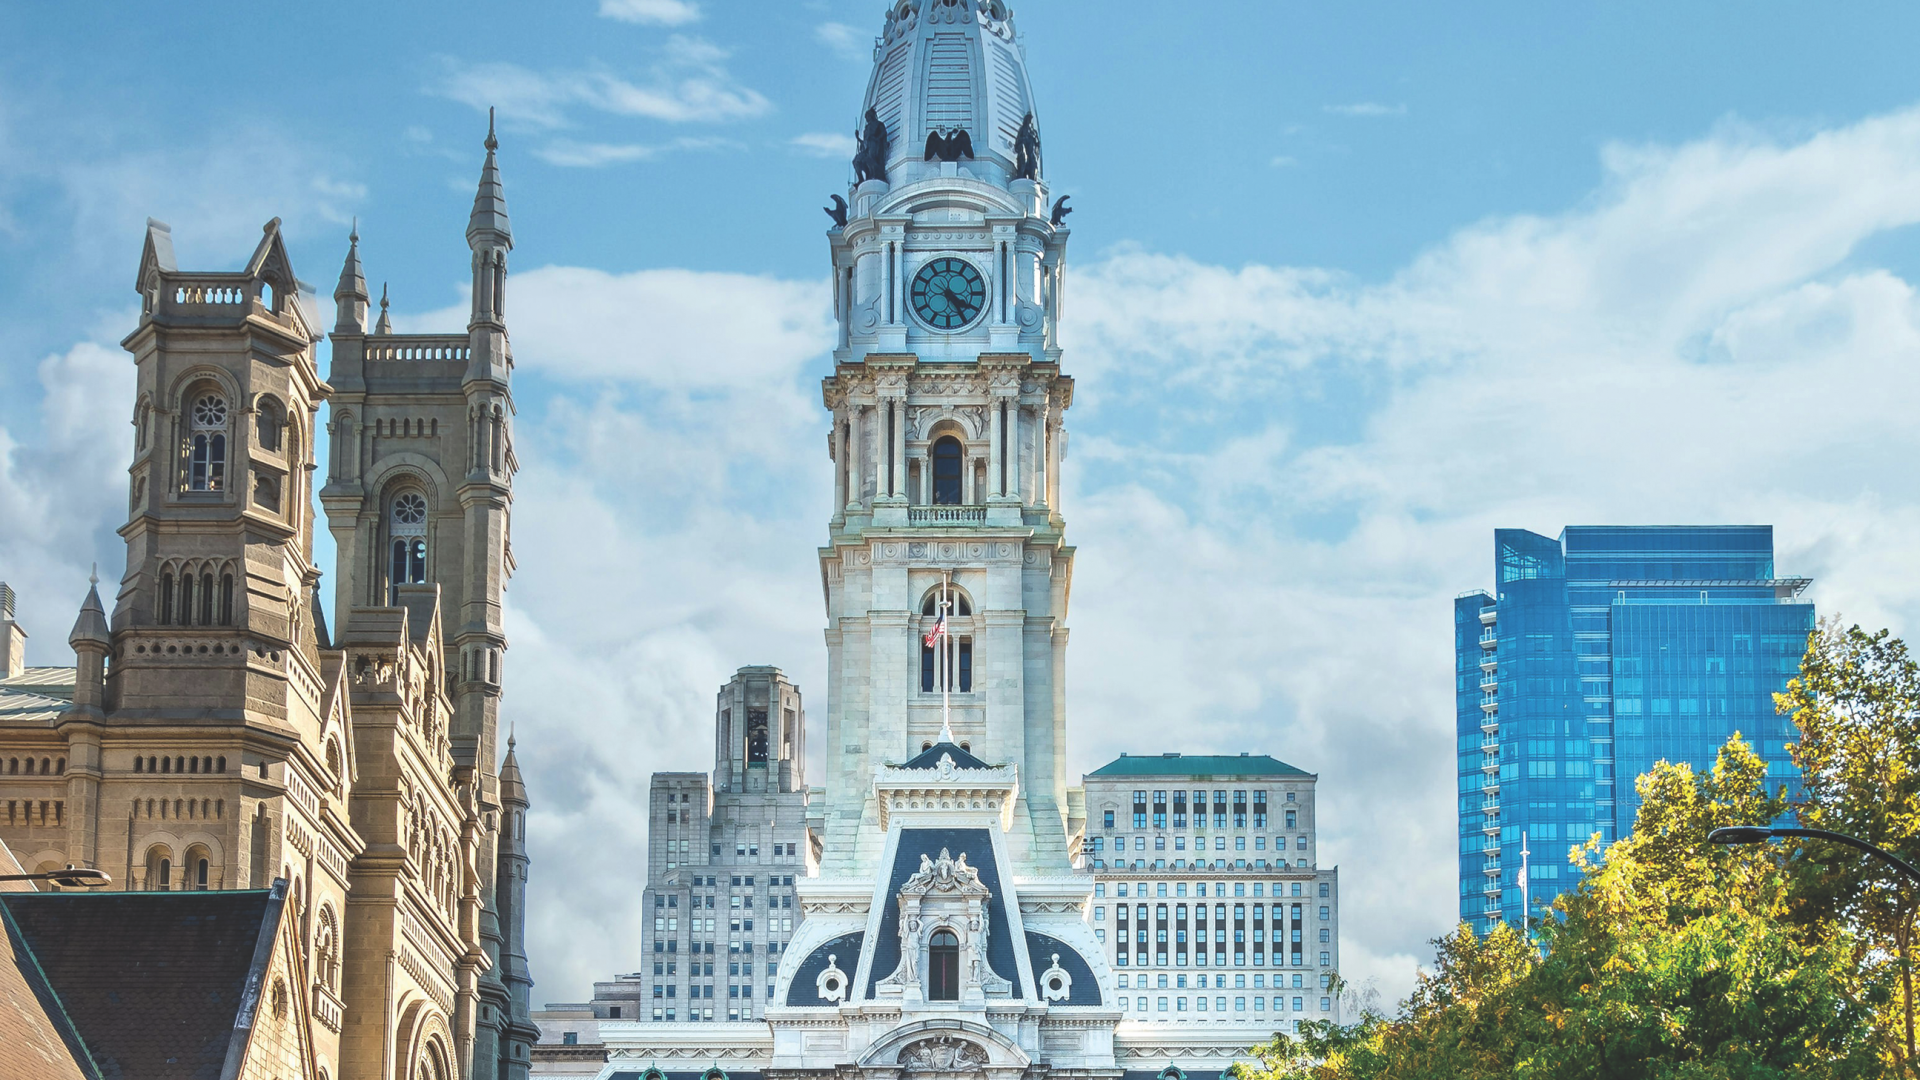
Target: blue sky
x: 1350, y: 287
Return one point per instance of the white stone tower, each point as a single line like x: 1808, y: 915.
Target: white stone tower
x: 947, y: 400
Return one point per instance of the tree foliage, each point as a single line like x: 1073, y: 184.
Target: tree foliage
x: 1680, y: 960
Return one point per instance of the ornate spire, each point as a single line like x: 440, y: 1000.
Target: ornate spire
x: 350, y: 296
x: 385, y: 325
x: 513, y: 790
x: 489, y: 221
x: 91, y: 626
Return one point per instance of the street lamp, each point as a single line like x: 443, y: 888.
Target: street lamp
x: 73, y: 877
x: 1759, y: 834
x: 1756, y: 834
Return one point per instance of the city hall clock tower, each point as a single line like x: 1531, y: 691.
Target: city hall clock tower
x: 947, y: 401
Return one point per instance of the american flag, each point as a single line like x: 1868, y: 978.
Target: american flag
x: 939, y: 630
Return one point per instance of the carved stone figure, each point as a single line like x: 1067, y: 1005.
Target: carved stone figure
x: 838, y: 211
x: 943, y: 1053
x: 1061, y: 210
x: 1026, y: 150
x: 870, y: 159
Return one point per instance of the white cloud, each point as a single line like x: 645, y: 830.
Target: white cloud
x: 657, y: 12
x: 674, y: 329
x: 846, y: 41
x: 567, y: 153
x: 1366, y: 108
x: 689, y: 83
x: 824, y: 144
x: 63, y: 488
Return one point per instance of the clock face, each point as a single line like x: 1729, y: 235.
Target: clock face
x: 948, y: 293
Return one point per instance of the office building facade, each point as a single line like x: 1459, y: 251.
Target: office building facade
x: 1208, y: 894
x: 1602, y: 652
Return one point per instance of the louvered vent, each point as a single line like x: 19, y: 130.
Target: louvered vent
x: 949, y: 83
x: 886, y: 95
x: 1010, y: 93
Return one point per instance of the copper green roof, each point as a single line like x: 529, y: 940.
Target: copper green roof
x: 1198, y: 765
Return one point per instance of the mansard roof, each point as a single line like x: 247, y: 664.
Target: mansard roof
x: 1199, y: 765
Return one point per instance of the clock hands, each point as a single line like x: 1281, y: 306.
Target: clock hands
x: 959, y: 305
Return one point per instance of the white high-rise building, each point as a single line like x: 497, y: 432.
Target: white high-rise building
x: 947, y: 931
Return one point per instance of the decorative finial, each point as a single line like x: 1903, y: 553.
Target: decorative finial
x: 492, y: 143
x: 94, y: 577
x: 510, y: 738
x: 383, y: 298
x: 353, y: 237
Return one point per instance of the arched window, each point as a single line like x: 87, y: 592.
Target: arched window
x: 268, y: 423
x: 943, y: 967
x: 407, y: 545
x: 946, y: 471
x: 206, y: 600
x: 159, y: 869
x: 185, y: 608
x: 207, y: 458
x: 198, y: 868
x: 226, y: 599
x: 326, y: 950
x: 164, y: 609
x: 955, y: 597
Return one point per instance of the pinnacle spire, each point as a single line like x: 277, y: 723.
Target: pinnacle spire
x: 350, y: 296
x: 353, y: 281
x: 489, y: 221
x: 385, y: 325
x: 91, y: 626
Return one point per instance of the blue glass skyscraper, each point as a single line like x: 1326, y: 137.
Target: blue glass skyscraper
x: 1603, y: 652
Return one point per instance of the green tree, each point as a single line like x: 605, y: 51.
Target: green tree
x: 1856, y: 703
x: 1673, y: 960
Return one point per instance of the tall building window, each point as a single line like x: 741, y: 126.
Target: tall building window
x: 946, y: 471
x: 207, y: 445
x: 164, y: 609
x: 1259, y: 809
x: 407, y: 545
x: 943, y: 967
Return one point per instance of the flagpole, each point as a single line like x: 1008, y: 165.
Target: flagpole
x: 1525, y: 906
x: 946, y: 676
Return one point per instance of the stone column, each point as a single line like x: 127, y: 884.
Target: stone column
x: 840, y: 449
x: 1013, y: 448
x: 899, y: 407
x: 994, y: 461
x: 853, y: 456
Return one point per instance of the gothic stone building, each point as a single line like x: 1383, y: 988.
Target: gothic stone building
x: 947, y: 932
x: 215, y: 736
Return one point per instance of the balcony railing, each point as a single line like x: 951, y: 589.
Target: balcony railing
x: 1489, y: 638
x: 946, y: 515
x: 1489, y: 683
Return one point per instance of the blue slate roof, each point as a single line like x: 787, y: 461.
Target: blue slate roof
x: 930, y: 758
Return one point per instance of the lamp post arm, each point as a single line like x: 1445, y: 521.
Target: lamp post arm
x: 1884, y: 855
